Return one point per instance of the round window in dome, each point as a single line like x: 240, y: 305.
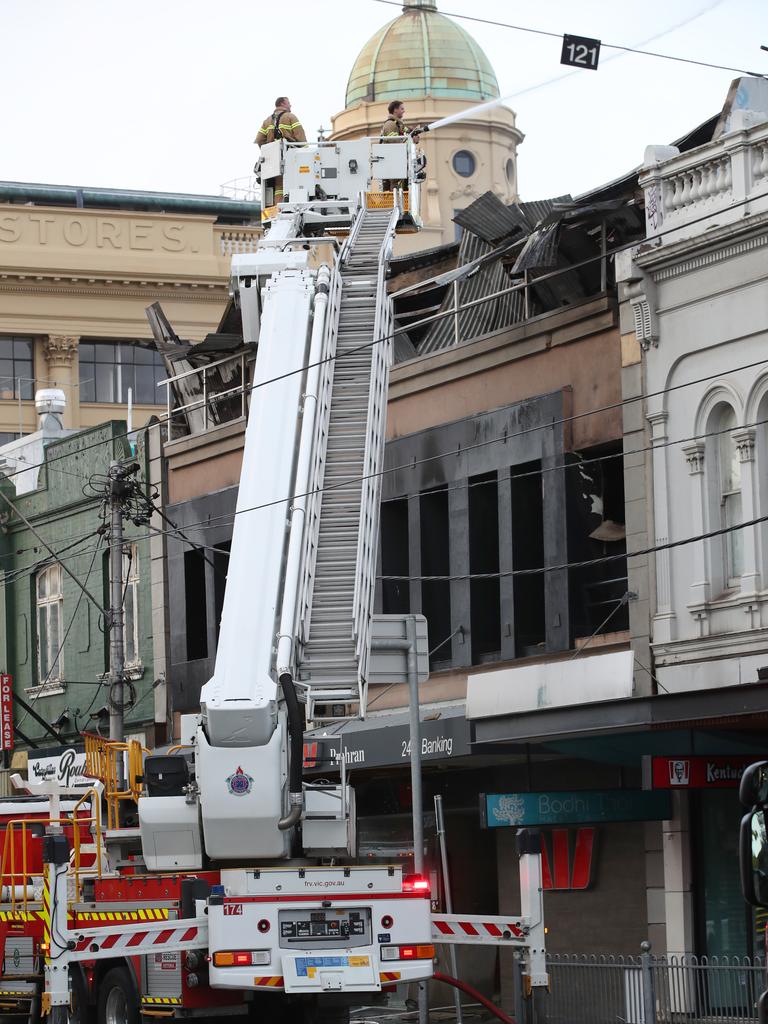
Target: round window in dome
x: 464, y: 163
x: 510, y: 171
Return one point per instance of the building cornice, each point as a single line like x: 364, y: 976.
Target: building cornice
x: 715, y: 246
x: 204, y: 290
x: 716, y: 647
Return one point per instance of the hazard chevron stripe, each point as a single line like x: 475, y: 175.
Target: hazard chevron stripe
x: 389, y: 976
x: 144, y: 914
x: 271, y: 981
x: 476, y: 930
x: 161, y: 1000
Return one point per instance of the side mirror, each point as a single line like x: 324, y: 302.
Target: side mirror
x: 753, y: 788
x: 753, y: 858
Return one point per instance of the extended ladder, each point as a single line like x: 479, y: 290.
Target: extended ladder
x: 333, y: 662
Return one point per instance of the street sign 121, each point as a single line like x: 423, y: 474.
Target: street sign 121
x: 580, y: 52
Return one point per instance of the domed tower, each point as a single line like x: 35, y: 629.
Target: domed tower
x: 436, y: 68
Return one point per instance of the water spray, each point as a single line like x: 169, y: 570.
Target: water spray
x: 461, y: 115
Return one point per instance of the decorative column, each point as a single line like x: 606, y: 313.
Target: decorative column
x: 745, y: 444
x: 63, y: 372
x: 664, y: 613
x: 699, y: 588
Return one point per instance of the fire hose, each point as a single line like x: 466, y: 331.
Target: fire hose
x: 470, y: 991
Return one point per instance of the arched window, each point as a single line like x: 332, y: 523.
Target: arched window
x: 50, y: 603
x: 727, y: 477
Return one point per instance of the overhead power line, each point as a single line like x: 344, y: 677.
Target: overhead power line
x: 542, y: 279
x: 608, y: 46
x: 583, y: 563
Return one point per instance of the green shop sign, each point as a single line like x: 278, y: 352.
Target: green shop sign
x: 505, y: 810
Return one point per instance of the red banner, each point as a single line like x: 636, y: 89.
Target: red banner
x: 695, y: 772
x: 6, y: 712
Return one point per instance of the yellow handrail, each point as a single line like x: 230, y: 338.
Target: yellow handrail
x: 22, y: 825
x: 102, y: 757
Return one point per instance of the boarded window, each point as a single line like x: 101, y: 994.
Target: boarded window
x: 395, y: 593
x: 484, y: 596
x: 195, y: 599
x: 435, y: 561
x: 528, y: 553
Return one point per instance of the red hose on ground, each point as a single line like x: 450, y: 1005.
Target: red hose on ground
x: 439, y: 976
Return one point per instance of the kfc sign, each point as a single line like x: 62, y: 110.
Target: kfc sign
x: 695, y: 772
x: 6, y: 712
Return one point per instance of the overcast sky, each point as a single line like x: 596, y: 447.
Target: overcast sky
x: 167, y: 94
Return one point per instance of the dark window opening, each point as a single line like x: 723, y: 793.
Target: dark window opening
x: 435, y: 561
x: 484, y: 594
x: 220, y: 560
x: 595, y: 510
x: 6, y: 436
x: 17, y: 368
x: 528, y: 553
x: 195, y: 600
x: 395, y: 593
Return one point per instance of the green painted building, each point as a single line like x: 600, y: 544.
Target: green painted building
x: 53, y: 636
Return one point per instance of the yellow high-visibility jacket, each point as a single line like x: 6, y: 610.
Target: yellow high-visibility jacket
x: 288, y: 123
x: 394, y: 127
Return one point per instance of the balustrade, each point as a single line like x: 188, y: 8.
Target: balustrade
x: 687, y: 188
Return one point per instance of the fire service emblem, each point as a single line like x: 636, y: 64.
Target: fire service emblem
x: 240, y: 783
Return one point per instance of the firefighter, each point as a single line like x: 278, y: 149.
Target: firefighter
x: 393, y: 129
x: 282, y: 123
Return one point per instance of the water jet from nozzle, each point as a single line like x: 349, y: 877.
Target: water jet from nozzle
x: 462, y: 115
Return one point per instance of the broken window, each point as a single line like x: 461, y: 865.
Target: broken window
x: 395, y: 593
x: 196, y: 606
x: 484, y: 595
x: 528, y: 553
x: 595, y: 509
x: 435, y: 561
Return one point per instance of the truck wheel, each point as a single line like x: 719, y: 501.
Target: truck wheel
x: 117, y: 1001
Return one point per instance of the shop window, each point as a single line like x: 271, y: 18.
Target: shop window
x: 464, y: 163
x: 196, y: 604
x: 395, y: 593
x: 435, y: 561
x: 109, y: 368
x: 220, y: 568
x: 50, y: 606
x: 17, y: 368
x: 131, y: 606
x: 484, y: 594
x: 528, y: 553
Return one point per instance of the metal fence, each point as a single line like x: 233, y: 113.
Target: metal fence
x: 645, y: 989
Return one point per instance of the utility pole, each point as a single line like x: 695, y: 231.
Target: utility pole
x: 116, y: 492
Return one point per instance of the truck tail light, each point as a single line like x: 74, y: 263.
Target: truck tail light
x: 410, y: 952
x: 416, y: 883
x: 242, y: 958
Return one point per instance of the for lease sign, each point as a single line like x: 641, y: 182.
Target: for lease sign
x: 6, y: 712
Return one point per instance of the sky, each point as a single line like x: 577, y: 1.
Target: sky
x: 167, y: 95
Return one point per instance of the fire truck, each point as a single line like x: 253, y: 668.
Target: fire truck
x: 215, y: 878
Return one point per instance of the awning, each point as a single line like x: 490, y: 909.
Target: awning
x: 731, y: 708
